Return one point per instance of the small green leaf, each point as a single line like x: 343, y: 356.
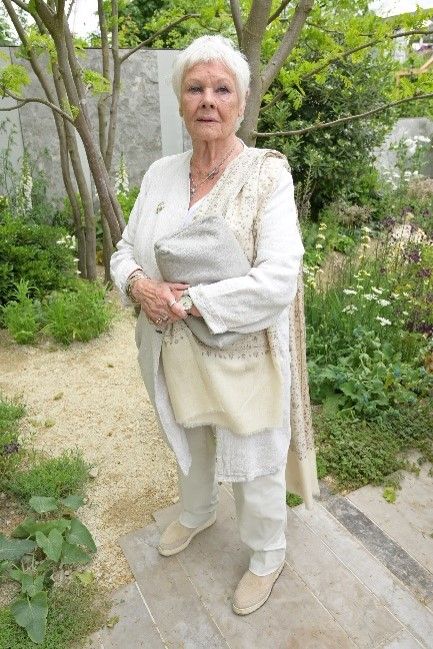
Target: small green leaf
x: 80, y: 535
x: 72, y: 502
x: 85, y: 577
x: 389, y: 494
x: 31, y: 613
x: 14, y: 549
x: 51, y: 544
x: 42, y: 504
x: 73, y: 554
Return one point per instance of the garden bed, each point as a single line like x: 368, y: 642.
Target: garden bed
x: 90, y: 396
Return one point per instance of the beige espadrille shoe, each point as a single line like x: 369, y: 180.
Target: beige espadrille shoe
x: 252, y: 591
x: 176, y: 537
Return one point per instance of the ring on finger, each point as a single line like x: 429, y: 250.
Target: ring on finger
x: 172, y: 302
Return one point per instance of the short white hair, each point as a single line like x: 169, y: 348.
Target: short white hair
x: 212, y: 48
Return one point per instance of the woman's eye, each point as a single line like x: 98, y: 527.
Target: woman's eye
x: 194, y: 89
x: 223, y: 89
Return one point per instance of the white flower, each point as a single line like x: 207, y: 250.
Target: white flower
x: 366, y: 229
x: 383, y: 321
x: 321, y: 236
x: 318, y: 246
x: 122, y: 182
x: 395, y: 296
x: 349, y: 291
x: 350, y: 308
x: 370, y: 297
x: 405, y: 312
x: 379, y: 291
x: 384, y: 302
x: 421, y: 138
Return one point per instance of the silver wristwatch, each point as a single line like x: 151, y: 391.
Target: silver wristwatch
x: 186, y: 301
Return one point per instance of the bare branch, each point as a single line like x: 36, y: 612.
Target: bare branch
x: 289, y: 41
x: 37, y: 100
x: 24, y: 7
x: 278, y: 11
x: 23, y: 103
x: 342, y: 120
x: 237, y: 19
x: 354, y: 50
x: 149, y: 40
x: 71, y: 6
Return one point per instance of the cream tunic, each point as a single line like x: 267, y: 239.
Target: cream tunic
x: 244, y: 304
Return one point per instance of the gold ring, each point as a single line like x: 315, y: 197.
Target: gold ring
x: 172, y: 302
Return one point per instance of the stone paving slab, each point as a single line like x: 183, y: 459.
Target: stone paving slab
x: 392, y: 594
x: 409, y: 520
x: 403, y: 640
x: 135, y: 624
x: 179, y: 615
x: 292, y: 618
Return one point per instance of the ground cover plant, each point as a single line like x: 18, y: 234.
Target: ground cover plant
x: 369, y: 317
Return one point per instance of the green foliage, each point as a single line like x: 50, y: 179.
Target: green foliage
x: 55, y: 477
x: 13, y: 78
x: 67, y: 542
x: 10, y: 448
x: 64, y: 313
x: 38, y: 254
x: 356, y: 452
x: 95, y: 81
x: 127, y: 200
x: 22, y: 316
x: 75, y: 610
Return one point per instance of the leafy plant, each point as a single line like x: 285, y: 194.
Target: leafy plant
x: 356, y: 452
x: 10, y: 447
x: 75, y: 610
x: 81, y: 314
x: 22, y: 316
x: 38, y: 547
x: 39, y: 254
x: 54, y: 477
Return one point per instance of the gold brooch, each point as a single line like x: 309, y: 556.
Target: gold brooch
x: 160, y: 207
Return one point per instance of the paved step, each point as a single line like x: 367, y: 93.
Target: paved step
x: 135, y: 628
x: 332, y: 592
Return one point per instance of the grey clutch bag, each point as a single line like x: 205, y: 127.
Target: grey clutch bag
x: 203, y: 252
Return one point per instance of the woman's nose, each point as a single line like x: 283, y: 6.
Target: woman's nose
x: 208, y: 98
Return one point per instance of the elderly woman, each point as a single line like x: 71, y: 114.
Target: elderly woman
x: 225, y: 412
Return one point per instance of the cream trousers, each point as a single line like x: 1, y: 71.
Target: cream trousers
x: 260, y: 503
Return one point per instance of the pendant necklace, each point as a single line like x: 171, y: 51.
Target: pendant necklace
x: 214, y: 172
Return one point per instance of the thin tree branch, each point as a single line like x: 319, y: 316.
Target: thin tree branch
x: 68, y: 15
x: 37, y: 100
x: 342, y: 120
x: 289, y: 41
x: 149, y: 40
x: 278, y: 11
x: 34, y: 15
x: 3, y: 110
x: 344, y: 55
x: 237, y: 19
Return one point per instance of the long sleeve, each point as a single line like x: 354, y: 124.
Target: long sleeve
x: 253, y: 302
x: 122, y: 262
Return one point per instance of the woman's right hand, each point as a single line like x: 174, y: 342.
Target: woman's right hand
x: 159, y: 300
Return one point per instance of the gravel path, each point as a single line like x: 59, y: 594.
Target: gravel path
x: 91, y: 396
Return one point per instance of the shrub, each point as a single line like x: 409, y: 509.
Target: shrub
x: 81, y: 314
x: 40, y: 254
x: 56, y: 477
x: 10, y: 448
x: 22, y: 316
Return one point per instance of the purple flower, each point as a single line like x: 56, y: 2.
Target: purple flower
x: 413, y: 256
x: 424, y: 272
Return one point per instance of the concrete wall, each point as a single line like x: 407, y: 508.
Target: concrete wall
x: 149, y: 124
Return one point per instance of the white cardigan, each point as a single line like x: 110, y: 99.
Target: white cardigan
x: 243, y: 304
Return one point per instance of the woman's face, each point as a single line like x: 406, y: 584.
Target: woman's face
x: 210, y: 104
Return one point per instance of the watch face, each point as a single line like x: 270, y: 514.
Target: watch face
x: 186, y: 302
